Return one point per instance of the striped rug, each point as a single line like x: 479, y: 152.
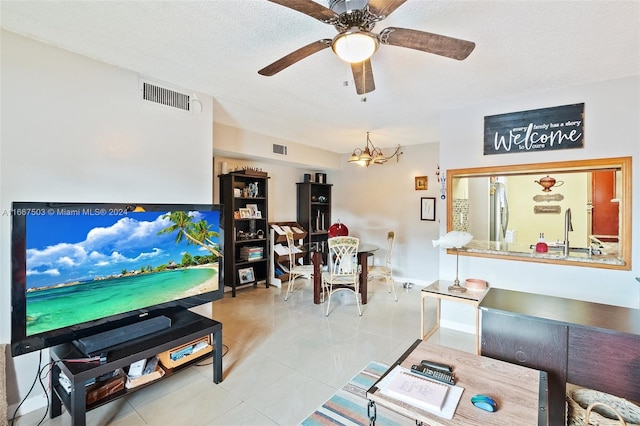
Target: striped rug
x: 348, y: 406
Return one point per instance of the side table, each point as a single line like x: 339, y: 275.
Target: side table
x: 440, y: 290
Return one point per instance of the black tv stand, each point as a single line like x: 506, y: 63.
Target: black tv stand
x: 186, y: 326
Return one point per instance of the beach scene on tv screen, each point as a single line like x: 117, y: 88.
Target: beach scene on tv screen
x: 83, y: 267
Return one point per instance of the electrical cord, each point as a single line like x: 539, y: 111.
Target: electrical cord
x: 225, y: 349
x: 38, y: 378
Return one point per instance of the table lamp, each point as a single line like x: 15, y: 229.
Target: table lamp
x: 454, y: 240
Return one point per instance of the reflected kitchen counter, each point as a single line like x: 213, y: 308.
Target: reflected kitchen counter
x: 609, y: 254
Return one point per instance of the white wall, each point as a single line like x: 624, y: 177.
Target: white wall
x: 612, y: 129
x: 232, y: 142
x: 74, y: 129
x: 372, y: 201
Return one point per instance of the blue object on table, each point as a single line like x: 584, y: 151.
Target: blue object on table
x: 484, y: 402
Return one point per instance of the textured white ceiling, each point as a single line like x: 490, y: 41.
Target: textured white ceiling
x: 217, y: 47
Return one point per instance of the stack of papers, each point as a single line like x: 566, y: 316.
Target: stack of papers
x: 426, y: 394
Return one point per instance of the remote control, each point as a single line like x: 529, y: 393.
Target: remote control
x: 441, y: 376
x: 436, y: 365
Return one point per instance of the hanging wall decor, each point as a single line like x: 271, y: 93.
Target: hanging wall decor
x: 544, y: 129
x: 428, y: 208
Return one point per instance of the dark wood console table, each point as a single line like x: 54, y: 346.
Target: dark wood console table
x: 583, y: 343
x: 186, y: 326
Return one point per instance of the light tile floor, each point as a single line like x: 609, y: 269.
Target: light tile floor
x: 284, y: 359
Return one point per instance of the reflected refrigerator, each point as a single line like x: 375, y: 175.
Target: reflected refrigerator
x: 498, y: 211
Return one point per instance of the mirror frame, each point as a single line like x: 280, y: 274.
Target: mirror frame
x: 622, y: 163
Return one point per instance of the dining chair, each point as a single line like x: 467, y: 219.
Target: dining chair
x: 296, y: 270
x: 342, y: 273
x: 385, y: 271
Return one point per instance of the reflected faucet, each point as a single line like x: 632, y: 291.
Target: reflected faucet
x: 567, y: 227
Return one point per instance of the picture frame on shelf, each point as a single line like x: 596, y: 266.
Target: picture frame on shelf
x: 428, y: 208
x: 245, y: 213
x: 253, y: 208
x: 246, y: 275
x: 258, y: 214
x: 421, y: 183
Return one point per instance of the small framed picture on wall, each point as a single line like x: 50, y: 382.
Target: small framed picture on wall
x: 428, y: 208
x: 421, y: 183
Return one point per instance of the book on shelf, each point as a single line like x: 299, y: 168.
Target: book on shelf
x: 278, y: 229
x: 283, y: 267
x: 252, y: 253
x: 282, y: 250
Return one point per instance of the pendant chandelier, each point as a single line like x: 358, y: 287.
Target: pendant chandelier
x: 371, y: 155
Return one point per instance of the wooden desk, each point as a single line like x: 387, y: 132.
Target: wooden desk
x: 364, y: 250
x: 440, y: 290
x: 520, y: 392
x: 587, y: 344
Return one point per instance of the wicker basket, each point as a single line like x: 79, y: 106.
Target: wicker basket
x: 590, y: 407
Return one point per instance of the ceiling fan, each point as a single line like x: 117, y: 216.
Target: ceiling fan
x: 355, y: 43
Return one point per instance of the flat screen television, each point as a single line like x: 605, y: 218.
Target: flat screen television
x: 79, y: 269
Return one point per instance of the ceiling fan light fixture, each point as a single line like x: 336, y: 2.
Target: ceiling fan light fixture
x: 355, y: 45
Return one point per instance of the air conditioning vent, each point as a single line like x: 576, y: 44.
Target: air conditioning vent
x: 279, y: 149
x: 164, y: 96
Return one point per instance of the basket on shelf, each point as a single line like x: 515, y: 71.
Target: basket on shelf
x: 594, y: 408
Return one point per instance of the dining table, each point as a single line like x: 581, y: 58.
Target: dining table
x: 317, y: 251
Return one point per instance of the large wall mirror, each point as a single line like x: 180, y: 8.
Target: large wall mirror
x: 508, y: 209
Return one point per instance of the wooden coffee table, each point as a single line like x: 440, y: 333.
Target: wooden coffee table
x: 520, y: 392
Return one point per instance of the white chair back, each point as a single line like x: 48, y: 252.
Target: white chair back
x: 291, y: 244
x: 343, y: 252
x: 390, y: 237
x: 343, y: 268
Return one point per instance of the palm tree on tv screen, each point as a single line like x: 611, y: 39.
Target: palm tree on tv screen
x: 198, y: 233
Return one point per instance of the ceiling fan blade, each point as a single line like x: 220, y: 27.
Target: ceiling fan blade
x: 311, y: 8
x: 363, y: 77
x: 427, y: 42
x: 295, y: 56
x: 384, y: 8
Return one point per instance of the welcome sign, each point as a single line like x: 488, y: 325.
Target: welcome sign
x: 543, y: 129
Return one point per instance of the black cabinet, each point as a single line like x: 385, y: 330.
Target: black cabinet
x: 314, y: 211
x: 583, y: 343
x: 530, y: 343
x: 244, y: 196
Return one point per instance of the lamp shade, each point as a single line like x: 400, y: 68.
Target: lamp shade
x: 355, y: 45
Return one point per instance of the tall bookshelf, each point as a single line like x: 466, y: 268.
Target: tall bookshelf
x: 244, y: 195
x: 314, y: 212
